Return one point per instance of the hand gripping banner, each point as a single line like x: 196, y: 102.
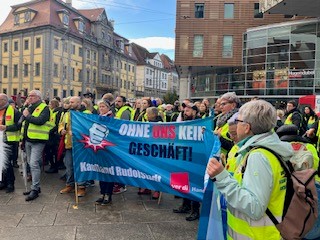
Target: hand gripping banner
x: 167, y: 157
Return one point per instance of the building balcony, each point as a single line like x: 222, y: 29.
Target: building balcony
x: 291, y: 7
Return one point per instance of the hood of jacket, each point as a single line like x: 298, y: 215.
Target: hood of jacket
x: 268, y: 140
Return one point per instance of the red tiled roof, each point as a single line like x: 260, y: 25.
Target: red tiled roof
x: 92, y: 14
x: 47, y: 14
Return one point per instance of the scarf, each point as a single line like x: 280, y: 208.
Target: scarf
x: 223, y: 118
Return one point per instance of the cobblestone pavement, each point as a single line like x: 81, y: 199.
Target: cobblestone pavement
x: 53, y: 216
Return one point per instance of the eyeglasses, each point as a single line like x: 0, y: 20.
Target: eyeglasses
x: 238, y: 120
x: 224, y: 103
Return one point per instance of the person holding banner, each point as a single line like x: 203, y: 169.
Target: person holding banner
x: 106, y: 188
x: 188, y: 206
x: 258, y: 180
x: 65, y: 130
x: 122, y: 112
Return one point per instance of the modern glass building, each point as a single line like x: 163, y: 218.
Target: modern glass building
x: 282, y: 60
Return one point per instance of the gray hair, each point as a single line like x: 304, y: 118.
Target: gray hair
x: 37, y: 92
x: 260, y: 114
x: 232, y: 120
x: 153, y: 110
x: 231, y: 97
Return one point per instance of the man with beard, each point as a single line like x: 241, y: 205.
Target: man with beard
x: 188, y: 206
x: 122, y: 112
x: 65, y: 129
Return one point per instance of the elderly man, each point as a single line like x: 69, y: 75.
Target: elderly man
x: 35, y: 131
x: 9, y: 117
x: 259, y: 181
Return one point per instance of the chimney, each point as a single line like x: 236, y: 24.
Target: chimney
x: 69, y: 3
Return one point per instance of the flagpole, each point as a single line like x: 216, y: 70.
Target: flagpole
x: 76, y: 195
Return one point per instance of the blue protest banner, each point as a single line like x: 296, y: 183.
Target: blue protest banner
x: 167, y: 157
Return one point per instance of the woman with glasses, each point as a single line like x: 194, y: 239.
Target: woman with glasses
x: 229, y: 103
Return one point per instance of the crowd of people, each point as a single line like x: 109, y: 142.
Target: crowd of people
x: 39, y: 128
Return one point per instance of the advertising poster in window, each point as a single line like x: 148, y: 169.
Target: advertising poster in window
x: 281, y: 78
x: 259, y: 79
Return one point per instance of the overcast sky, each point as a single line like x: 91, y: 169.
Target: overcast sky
x: 149, y: 23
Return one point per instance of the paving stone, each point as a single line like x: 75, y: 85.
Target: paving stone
x: 149, y: 216
x: 35, y: 220
x: 115, y: 231
x: 10, y: 220
x: 55, y: 208
x: 38, y: 233
x: 21, y: 208
x: 79, y: 219
x: 173, y: 230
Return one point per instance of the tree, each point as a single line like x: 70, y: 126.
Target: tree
x: 170, y: 97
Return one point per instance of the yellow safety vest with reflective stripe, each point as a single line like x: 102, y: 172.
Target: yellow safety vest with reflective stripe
x: 313, y: 150
x: 288, y: 120
x: 311, y: 121
x: 53, y: 117
x: 121, y: 110
x: 9, y: 121
x: 224, y: 130
x: 39, y: 132
x: 240, y: 226
x: 232, y: 160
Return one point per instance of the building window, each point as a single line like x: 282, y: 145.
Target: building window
x: 5, y: 47
x: 5, y: 91
x: 27, y: 16
x: 228, y: 11
x: 88, y: 75
x: 56, y: 44
x: 257, y: 13
x: 94, y: 56
x: 80, y: 52
x: 198, y: 46
x: 227, y: 49
x: 55, y: 92
x: 72, y: 74
x: 15, y: 91
x: 73, y: 49
x: 26, y: 44
x: 5, y: 71
x: 15, y: 70
x: 199, y: 10
x: 65, y: 47
x: 133, y: 69
x: 38, y: 42
x: 55, y: 70
x: 16, y: 19
x: 94, y: 76
x: 64, y: 72
x: 26, y: 70
x: 81, y: 27
x: 79, y: 74
x: 65, y: 19
x: 37, y: 73
x: 64, y: 93
x: 15, y: 46
x: 88, y: 54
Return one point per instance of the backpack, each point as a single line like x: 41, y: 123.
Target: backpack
x: 300, y: 210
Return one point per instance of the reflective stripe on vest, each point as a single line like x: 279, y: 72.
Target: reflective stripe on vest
x: 40, y: 132
x: 240, y: 225
x: 121, y: 110
x: 9, y: 120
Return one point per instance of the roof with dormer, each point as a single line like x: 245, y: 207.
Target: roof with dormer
x: 47, y: 14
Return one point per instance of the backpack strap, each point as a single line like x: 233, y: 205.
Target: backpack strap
x: 287, y: 167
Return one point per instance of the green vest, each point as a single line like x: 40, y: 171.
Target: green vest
x: 9, y: 121
x: 39, y: 132
x: 240, y: 226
